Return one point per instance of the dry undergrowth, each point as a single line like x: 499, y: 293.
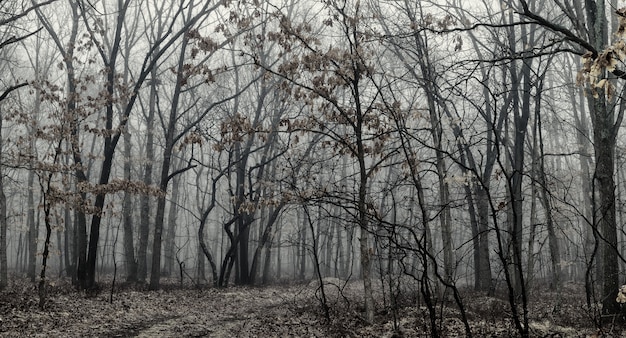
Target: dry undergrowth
x: 276, y: 311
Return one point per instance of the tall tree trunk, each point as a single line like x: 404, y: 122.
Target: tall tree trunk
x: 3, y: 223
x: 474, y: 227
x: 605, y: 129
x: 19, y: 253
x: 302, y: 243
x: 532, y: 236
x: 203, y: 219
x: 59, y: 243
x: 155, y: 271
x: 363, y: 223
x: 170, y: 132
x: 339, y: 255
x: 243, y: 232
x: 207, y: 252
x: 521, y: 112
x: 33, y: 231
x: 483, y: 265
x: 584, y: 158
x: 605, y: 213
x: 170, y: 238
x: 553, y: 241
x: 201, y: 269
x: 330, y: 232
x: 80, y: 227
x: 80, y: 246
x: 32, y: 228
x: 109, y: 144
x: 68, y: 244
x: 127, y: 215
x: 264, y: 242
x: 267, y: 261
x: 279, y: 261
x: 145, y: 219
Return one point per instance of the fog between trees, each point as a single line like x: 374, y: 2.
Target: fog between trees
x: 445, y: 145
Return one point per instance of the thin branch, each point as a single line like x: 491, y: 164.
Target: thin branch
x: 25, y: 13
x: 14, y: 39
x: 10, y: 89
x: 569, y: 35
x: 180, y: 171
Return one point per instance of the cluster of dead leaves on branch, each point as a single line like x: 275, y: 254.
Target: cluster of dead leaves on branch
x: 596, y: 64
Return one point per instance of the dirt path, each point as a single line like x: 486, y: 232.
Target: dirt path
x: 228, y: 313
x: 242, y: 312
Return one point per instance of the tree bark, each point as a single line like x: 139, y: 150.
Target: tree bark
x: 605, y: 214
x: 264, y: 242
x: 170, y: 238
x: 68, y: 244
x: 243, y: 221
x: 3, y: 223
x: 485, y: 282
x: 127, y: 215
x: 144, y: 209
x: 32, y: 227
x: 605, y: 129
x: 302, y: 243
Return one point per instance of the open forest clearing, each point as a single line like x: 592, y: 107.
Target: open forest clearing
x: 291, y: 310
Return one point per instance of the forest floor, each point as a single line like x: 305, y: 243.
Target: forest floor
x: 292, y: 310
